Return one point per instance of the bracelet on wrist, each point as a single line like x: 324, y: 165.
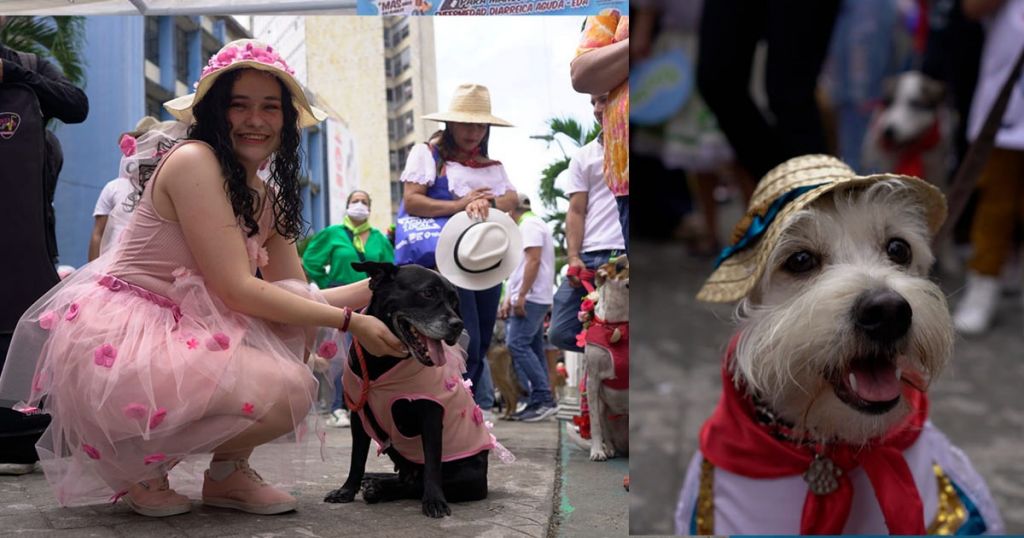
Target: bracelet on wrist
x: 348, y: 319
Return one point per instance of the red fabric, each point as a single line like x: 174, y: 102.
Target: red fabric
x: 910, y: 161
x: 586, y: 277
x: 732, y: 440
x: 599, y: 334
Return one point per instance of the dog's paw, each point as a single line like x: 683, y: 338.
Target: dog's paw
x: 436, y: 508
x: 372, y: 490
x: 597, y: 454
x: 341, y: 495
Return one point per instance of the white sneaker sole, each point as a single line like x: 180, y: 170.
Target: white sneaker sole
x: 264, y: 510
x: 162, y: 511
x: 17, y: 469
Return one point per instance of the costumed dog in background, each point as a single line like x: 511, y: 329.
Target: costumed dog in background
x: 911, y: 134
x: 822, y: 427
x: 606, y: 359
x: 417, y: 409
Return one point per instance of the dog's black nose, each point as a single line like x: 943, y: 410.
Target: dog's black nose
x: 882, y: 314
x: 455, y: 324
x: 889, y: 134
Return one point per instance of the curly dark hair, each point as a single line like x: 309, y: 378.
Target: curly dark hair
x: 212, y: 127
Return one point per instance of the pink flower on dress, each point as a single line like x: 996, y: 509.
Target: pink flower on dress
x: 218, y: 342
x: 47, y: 320
x: 192, y: 343
x: 157, y: 417
x: 72, y: 312
x: 328, y: 349
x: 257, y: 253
x: 128, y: 146
x: 135, y: 411
x: 91, y: 451
x: 478, y: 416
x: 248, y: 408
x: 450, y: 384
x: 581, y: 339
x: 181, y: 272
x: 105, y: 355
x: 154, y: 458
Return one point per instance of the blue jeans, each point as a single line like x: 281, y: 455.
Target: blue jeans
x: 623, y: 203
x: 526, y: 345
x: 479, y: 310
x: 564, y: 323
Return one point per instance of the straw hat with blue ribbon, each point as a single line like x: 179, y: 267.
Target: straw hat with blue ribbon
x: 785, y: 190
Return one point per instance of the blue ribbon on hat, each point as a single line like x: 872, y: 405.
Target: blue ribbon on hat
x: 760, y: 223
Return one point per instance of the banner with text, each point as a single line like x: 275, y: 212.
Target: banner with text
x: 488, y: 7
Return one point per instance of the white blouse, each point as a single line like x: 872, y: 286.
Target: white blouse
x: 420, y: 168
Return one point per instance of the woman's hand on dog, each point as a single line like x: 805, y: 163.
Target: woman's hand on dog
x: 375, y: 337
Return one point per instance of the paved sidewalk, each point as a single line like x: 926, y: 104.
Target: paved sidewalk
x: 519, y: 504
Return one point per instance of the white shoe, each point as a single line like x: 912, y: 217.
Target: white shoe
x: 976, y: 310
x: 339, y: 419
x: 489, y: 416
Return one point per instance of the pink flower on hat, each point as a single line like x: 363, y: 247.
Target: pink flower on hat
x: 105, y: 355
x: 128, y: 145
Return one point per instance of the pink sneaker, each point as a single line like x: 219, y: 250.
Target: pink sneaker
x: 155, y: 498
x: 245, y: 490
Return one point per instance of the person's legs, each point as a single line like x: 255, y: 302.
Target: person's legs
x: 522, y: 332
x: 798, y: 41
x: 479, y: 310
x: 564, y: 323
x: 729, y: 32
x: 623, y: 203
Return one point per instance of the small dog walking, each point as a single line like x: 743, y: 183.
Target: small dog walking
x: 822, y: 426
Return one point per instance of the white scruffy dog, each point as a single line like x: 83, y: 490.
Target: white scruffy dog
x: 822, y: 427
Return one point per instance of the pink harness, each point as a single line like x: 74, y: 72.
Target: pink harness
x: 465, y: 433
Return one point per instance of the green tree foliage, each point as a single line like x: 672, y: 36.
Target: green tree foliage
x: 60, y: 39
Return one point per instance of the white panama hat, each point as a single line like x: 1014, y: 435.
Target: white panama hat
x: 479, y: 254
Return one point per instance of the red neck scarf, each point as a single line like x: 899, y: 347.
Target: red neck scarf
x: 732, y: 440
x: 911, y: 158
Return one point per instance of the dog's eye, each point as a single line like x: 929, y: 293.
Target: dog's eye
x: 427, y: 294
x: 898, y: 251
x: 800, y: 262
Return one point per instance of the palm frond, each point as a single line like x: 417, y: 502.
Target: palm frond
x: 61, y: 39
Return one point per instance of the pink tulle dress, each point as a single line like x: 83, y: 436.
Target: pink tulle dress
x: 142, y: 366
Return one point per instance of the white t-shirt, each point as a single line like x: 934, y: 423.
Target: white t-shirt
x: 111, y: 204
x: 536, y: 234
x: 601, y: 228
x: 420, y: 168
x: 1003, y: 42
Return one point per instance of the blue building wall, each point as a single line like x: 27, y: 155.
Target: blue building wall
x: 116, y: 90
x: 116, y: 86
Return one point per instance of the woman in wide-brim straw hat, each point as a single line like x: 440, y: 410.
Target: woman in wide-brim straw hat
x: 168, y: 347
x: 450, y: 173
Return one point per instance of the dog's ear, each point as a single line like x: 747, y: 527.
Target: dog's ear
x: 602, y: 274
x: 379, y: 273
x: 621, y: 264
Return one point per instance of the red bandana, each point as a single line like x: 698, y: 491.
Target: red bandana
x: 910, y: 161
x: 732, y: 440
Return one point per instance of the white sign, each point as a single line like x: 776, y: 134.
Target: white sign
x: 342, y: 177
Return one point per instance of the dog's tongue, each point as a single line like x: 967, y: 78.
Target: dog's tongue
x: 875, y: 382
x: 435, y: 349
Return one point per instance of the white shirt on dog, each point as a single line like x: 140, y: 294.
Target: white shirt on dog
x: 774, y: 506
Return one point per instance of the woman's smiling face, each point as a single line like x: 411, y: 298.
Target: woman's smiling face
x: 255, y: 117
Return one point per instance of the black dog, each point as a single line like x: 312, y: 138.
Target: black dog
x: 422, y: 308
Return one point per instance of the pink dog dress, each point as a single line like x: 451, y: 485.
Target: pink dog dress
x: 141, y: 365
x: 465, y: 432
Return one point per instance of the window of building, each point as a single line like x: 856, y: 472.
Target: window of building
x: 406, y: 91
x: 405, y: 124
x: 181, y: 38
x: 152, y: 33
x: 399, y: 32
x: 396, y: 164
x: 391, y: 96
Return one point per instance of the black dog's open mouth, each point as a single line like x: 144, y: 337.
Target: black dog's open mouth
x: 871, y: 384
x: 428, y: 351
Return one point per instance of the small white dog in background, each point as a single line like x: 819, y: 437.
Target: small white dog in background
x: 822, y: 426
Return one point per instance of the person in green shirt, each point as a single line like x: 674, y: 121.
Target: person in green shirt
x: 329, y: 256
x: 328, y: 262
